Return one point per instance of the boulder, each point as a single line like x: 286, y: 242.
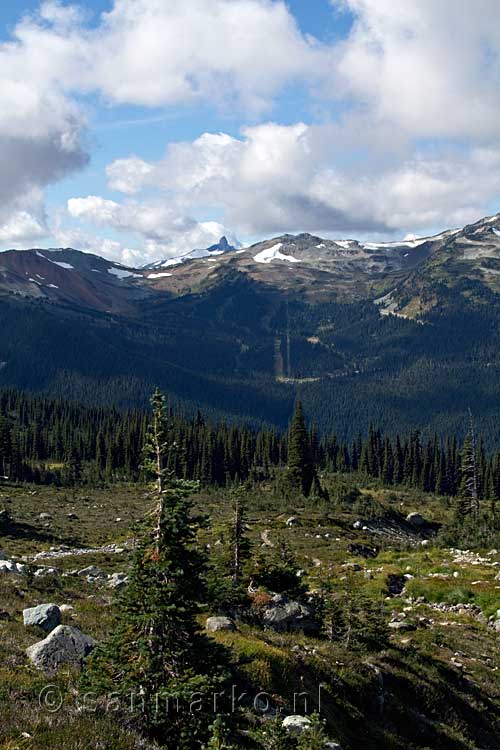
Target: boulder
x: 290, y: 616
x: 45, y: 616
x: 416, y: 519
x: 395, y: 584
x: 292, y: 521
x: 214, y: 624
x: 296, y: 724
x: 65, y: 608
x: 64, y: 646
x: 45, y: 516
x: 8, y: 566
x: 91, y: 572
x: 117, y: 580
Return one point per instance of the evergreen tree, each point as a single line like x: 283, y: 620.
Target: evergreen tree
x: 300, y: 467
x: 157, y: 658
x: 468, y: 503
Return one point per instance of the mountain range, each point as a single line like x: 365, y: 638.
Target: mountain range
x: 398, y: 332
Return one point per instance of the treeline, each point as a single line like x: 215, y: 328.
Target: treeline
x: 59, y: 442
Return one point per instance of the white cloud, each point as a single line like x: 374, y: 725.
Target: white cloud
x: 157, y: 52
x: 287, y: 178
x: 411, y: 72
x: 430, y: 67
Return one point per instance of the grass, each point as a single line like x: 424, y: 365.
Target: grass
x: 428, y: 701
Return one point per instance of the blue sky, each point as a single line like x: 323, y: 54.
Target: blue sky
x: 139, y: 129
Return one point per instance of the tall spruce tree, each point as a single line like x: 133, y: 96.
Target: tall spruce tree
x: 300, y: 466
x: 468, y: 500
x: 157, y: 659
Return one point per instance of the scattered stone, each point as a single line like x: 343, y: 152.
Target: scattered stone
x: 215, y: 624
x: 42, y: 572
x: 296, y: 724
x: 4, y: 615
x: 71, y: 516
x: 8, y: 566
x: 66, y: 608
x: 357, y: 525
x: 45, y: 616
x: 63, y: 646
x: 45, y: 516
x: 292, y: 521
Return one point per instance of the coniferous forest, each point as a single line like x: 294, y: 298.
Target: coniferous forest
x: 56, y: 442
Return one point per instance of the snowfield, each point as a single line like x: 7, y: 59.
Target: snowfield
x: 273, y: 253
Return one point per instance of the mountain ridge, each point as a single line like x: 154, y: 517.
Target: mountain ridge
x: 397, y: 335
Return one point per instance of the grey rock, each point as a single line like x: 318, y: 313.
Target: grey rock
x: 416, y: 519
x: 91, y: 572
x: 401, y: 625
x: 214, y: 624
x: 8, y: 566
x: 117, y: 580
x: 42, y: 572
x: 296, y: 724
x: 64, y: 646
x: 395, y: 584
x: 45, y: 616
x: 290, y: 616
x: 292, y: 521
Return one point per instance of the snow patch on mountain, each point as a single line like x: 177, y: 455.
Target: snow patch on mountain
x: 160, y: 275
x: 122, y: 274
x: 496, y: 231
x: 273, y: 253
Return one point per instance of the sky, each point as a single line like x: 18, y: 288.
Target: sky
x: 141, y: 129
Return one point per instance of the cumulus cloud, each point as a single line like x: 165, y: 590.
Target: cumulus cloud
x: 143, y: 52
x: 157, y: 52
x: 410, y: 73
x: 289, y: 178
x: 431, y: 68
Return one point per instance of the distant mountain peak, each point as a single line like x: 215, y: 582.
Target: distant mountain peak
x: 220, y: 247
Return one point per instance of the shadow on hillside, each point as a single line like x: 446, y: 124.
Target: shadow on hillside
x: 16, y: 530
